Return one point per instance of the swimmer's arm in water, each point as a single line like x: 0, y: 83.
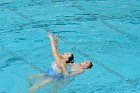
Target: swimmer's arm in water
x: 76, y: 72
x: 64, y: 70
x: 55, y: 52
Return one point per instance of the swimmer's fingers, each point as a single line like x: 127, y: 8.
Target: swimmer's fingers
x: 56, y: 37
x: 50, y: 34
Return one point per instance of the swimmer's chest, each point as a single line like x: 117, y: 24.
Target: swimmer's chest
x: 57, y: 68
x: 74, y: 67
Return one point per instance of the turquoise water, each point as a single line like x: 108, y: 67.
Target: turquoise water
x: 104, y: 31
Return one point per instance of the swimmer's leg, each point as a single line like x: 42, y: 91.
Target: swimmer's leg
x: 57, y: 86
x: 34, y: 76
x: 39, y: 84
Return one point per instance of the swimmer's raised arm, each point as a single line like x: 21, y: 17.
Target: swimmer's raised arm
x: 56, y: 38
x: 55, y: 52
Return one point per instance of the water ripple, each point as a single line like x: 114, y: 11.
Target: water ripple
x: 10, y: 61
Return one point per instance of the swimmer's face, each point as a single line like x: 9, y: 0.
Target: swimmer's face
x: 67, y: 54
x: 86, y: 63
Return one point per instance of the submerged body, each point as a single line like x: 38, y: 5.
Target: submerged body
x: 54, y: 72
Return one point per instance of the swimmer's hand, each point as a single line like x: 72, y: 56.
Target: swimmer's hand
x: 56, y: 38
x: 50, y: 35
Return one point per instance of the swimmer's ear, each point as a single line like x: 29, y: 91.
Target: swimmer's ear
x: 67, y: 60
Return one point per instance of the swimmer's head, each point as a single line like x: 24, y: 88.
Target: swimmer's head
x: 87, y: 64
x: 69, y: 57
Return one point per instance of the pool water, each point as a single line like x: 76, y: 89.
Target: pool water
x: 103, y: 31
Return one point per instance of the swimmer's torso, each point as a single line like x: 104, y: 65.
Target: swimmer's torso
x: 75, y: 67
x: 72, y: 67
x: 57, y: 68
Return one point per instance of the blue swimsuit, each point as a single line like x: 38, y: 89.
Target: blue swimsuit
x: 53, y: 73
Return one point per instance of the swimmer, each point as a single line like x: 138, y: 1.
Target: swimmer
x: 58, y: 70
x: 58, y: 67
x: 77, y: 68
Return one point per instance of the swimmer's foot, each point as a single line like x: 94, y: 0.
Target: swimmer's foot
x: 35, y: 76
